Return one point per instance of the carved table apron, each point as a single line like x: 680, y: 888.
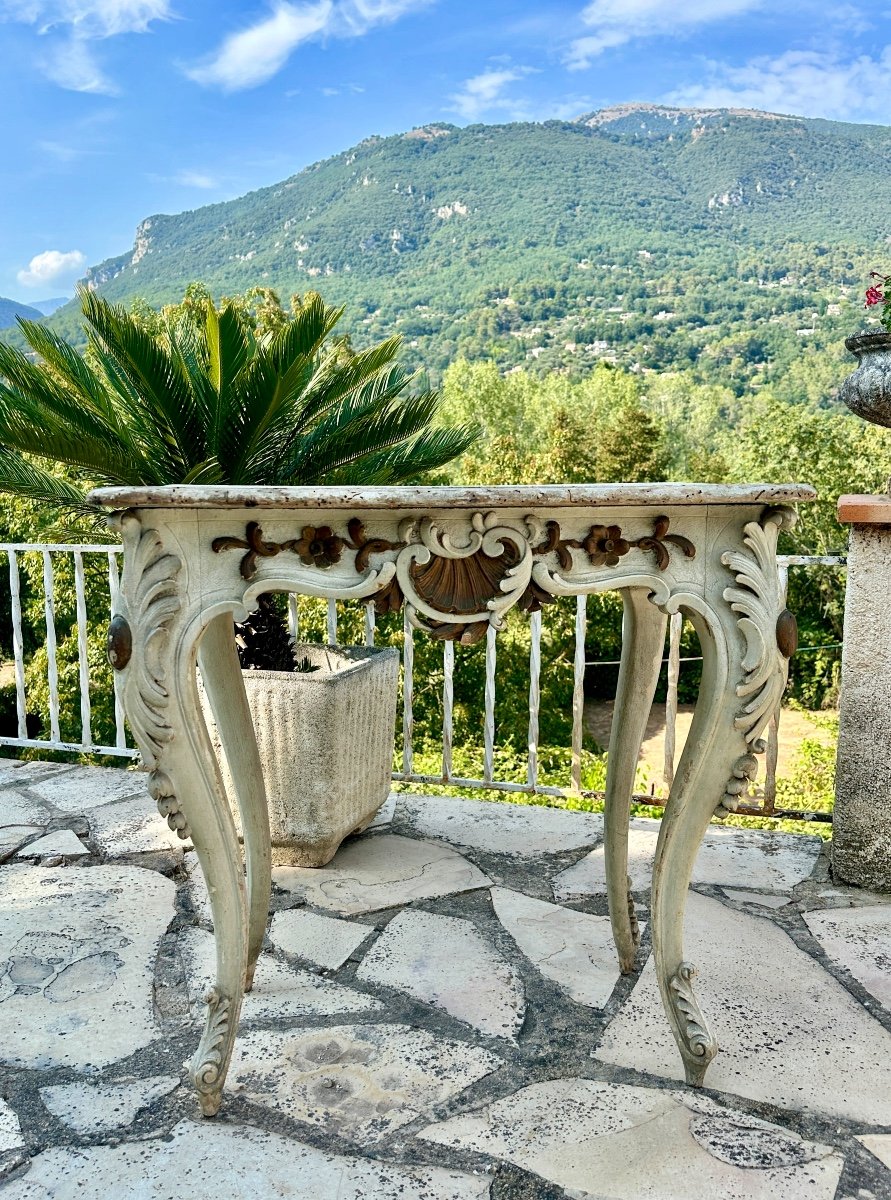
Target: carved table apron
x: 458, y: 559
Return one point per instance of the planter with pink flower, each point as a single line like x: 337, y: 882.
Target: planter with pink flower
x: 867, y: 390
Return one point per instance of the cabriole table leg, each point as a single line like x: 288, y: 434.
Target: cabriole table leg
x: 643, y: 641
x: 221, y: 673
x: 713, y: 748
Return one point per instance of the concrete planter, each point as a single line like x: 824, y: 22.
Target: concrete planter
x: 326, y: 744
x: 867, y: 391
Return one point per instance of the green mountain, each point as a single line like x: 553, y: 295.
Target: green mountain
x: 10, y: 309
x: 722, y: 240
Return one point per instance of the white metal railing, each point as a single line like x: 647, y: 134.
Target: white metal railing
x: 47, y: 580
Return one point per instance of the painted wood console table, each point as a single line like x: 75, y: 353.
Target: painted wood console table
x: 458, y: 559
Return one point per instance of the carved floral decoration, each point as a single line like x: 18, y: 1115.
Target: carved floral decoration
x: 474, y: 583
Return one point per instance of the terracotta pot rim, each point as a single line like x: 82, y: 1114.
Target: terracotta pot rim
x: 868, y: 339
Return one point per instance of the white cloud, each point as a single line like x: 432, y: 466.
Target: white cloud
x: 615, y: 22
x: 800, y: 82
x: 72, y: 24
x: 60, y: 151
x: 194, y: 179
x: 73, y: 66
x: 250, y: 57
x: 49, y: 266
x: 89, y: 18
x: 485, y: 93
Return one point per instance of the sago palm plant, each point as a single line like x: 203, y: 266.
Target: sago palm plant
x: 203, y: 397
x: 210, y: 401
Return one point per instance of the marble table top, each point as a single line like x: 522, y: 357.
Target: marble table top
x: 535, y: 496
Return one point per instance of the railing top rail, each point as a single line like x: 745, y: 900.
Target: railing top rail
x: 64, y: 547
x: 526, y: 496
x: 812, y: 560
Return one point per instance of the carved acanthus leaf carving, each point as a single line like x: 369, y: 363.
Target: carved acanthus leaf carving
x: 208, y: 1064
x: 161, y: 789
x: 454, y: 587
x: 150, y: 595
x: 698, y: 1042
x: 744, y: 771
x: 764, y: 621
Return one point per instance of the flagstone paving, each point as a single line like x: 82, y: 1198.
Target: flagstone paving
x: 207, y: 1162
x: 606, y: 1140
x: 448, y: 963
x: 778, y: 1014
x: 77, y: 957
x: 359, y: 1082
x: 858, y: 939
x: 326, y: 941
x: 514, y: 829
x: 278, y: 991
x: 427, y: 1023
x: 91, y: 1108
x: 63, y: 843
x: 379, y: 873
x: 746, y: 858
x: 572, y: 948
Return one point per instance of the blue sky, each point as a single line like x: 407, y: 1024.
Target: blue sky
x: 117, y: 109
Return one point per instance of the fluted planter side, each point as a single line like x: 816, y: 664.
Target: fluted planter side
x: 326, y: 740
x: 867, y: 390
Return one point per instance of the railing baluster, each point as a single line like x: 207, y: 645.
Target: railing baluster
x: 771, y: 758
x: 489, y: 717
x: 293, y: 619
x: 370, y: 622
x: 578, y: 691
x: 52, y: 666
x: 772, y: 754
x: 18, y: 652
x: 83, y: 664
x: 448, y: 696
x: 332, y: 622
x: 114, y: 588
x: 534, y: 697
x: 408, y: 687
x: 675, y: 629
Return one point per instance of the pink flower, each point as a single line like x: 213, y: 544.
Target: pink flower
x: 874, y: 295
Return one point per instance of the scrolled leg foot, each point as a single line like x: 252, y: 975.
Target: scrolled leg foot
x: 696, y: 1042
x: 209, y: 1064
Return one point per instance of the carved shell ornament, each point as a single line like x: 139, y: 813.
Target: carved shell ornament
x: 454, y: 588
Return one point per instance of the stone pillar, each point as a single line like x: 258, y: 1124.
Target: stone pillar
x: 861, y: 831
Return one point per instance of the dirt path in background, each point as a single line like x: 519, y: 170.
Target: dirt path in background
x: 794, y: 726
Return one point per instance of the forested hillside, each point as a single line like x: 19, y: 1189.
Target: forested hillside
x: 730, y: 242
x: 10, y: 309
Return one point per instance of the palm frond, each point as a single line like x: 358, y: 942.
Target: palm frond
x: 158, y: 381
x: 25, y: 478
x: 408, y: 462
x: 359, y: 427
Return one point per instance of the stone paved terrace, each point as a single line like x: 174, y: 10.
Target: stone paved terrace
x: 437, y: 1015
